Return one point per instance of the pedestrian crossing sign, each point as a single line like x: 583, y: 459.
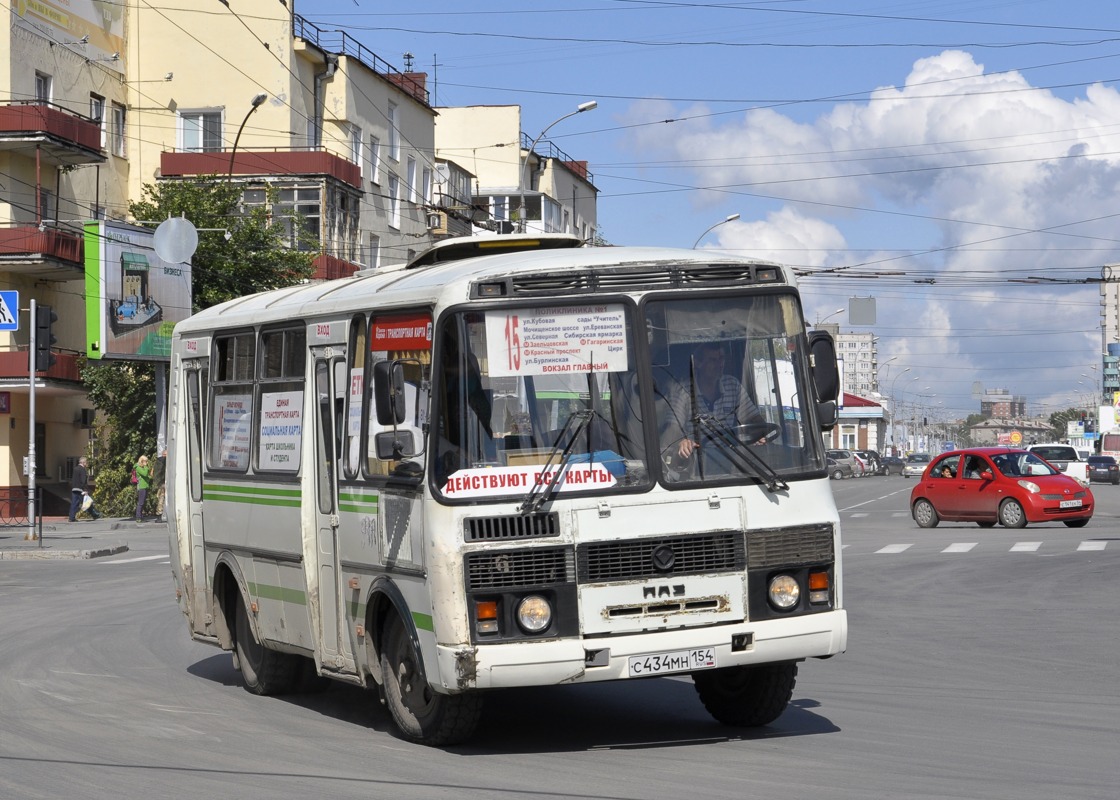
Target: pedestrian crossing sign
x: 9, y: 311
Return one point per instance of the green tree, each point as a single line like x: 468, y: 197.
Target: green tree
x: 256, y: 257
x: 1058, y: 422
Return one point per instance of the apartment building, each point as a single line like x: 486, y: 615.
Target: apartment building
x: 521, y: 184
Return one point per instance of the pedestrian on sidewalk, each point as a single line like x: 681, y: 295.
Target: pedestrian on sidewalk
x: 79, y: 490
x: 143, y: 475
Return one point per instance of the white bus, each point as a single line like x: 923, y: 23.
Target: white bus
x: 511, y: 470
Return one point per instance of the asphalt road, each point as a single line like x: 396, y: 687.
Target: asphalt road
x: 981, y: 664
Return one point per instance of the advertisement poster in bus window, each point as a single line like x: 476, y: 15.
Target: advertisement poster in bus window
x: 281, y: 431
x: 133, y: 297
x: 232, y: 416
x: 556, y: 340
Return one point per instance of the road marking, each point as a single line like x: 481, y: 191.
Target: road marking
x: 960, y: 547
x: 1092, y: 544
x: 895, y: 548
x: 131, y: 560
x: 859, y: 514
x: 1025, y: 547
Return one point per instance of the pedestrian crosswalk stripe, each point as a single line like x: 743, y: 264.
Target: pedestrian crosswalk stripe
x: 1092, y: 544
x: 1026, y: 547
x: 960, y: 547
x: 895, y: 548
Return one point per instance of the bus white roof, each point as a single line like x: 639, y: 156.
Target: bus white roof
x: 450, y: 282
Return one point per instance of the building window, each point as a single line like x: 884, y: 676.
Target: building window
x: 375, y: 160
x: 356, y: 148
x: 200, y: 131
x: 373, y: 260
x: 394, y: 133
x: 411, y: 177
x: 97, y: 114
x: 394, y: 202
x: 116, y: 130
x: 43, y: 85
x: 426, y: 187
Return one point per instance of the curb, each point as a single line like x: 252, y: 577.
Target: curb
x: 46, y: 554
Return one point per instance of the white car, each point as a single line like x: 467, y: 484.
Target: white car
x: 1064, y: 458
x: 916, y: 464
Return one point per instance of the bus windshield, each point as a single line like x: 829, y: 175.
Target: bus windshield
x: 565, y: 397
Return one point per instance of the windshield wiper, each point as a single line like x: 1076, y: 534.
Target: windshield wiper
x: 575, y: 424
x: 737, y: 451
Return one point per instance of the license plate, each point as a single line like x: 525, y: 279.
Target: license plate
x: 675, y: 661
x: 1069, y: 504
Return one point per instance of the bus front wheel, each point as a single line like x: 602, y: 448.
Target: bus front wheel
x: 263, y: 671
x: 422, y: 715
x: 746, y: 696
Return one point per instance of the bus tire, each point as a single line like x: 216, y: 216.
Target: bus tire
x: 422, y: 715
x: 746, y: 697
x: 263, y: 671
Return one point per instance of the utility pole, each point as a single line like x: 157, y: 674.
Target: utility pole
x: 32, y: 353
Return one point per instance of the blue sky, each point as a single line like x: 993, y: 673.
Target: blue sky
x: 936, y: 156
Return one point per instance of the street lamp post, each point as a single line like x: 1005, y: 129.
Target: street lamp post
x: 828, y: 317
x: 522, y: 177
x: 729, y: 218
x: 257, y: 101
x: 894, y: 415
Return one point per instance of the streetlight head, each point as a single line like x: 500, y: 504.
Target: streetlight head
x: 731, y: 217
x: 260, y: 98
x: 588, y: 106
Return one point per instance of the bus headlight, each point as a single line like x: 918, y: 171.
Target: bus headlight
x: 534, y: 614
x: 784, y: 592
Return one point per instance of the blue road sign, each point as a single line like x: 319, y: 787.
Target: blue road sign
x: 9, y: 311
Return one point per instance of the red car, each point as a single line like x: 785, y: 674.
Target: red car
x: 987, y: 485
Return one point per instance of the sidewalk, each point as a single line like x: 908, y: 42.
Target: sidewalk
x: 64, y: 539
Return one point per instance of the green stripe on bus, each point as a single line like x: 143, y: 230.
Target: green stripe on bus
x: 253, y: 501
x: 285, y: 595
x: 423, y: 622
x: 263, y: 490
x: 358, y: 502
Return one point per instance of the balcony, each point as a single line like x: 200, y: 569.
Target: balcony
x: 40, y: 251
x: 329, y: 268
x: 61, y: 137
x: 14, y: 366
x: 279, y: 163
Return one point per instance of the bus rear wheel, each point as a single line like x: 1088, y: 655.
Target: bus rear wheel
x: 422, y: 715
x: 263, y: 671
x: 746, y: 696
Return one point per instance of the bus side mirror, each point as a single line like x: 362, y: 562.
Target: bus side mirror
x: 388, y: 392
x: 822, y: 360
x: 395, y: 445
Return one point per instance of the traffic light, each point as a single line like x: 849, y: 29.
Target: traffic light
x: 44, y: 338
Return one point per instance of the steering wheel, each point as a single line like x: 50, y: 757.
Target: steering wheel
x: 755, y: 432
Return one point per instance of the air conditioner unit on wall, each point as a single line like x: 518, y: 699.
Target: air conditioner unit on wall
x: 437, y: 222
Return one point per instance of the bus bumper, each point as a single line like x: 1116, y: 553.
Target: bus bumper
x: 557, y: 661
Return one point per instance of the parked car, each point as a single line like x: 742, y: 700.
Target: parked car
x: 915, y: 465
x: 893, y: 465
x: 1065, y: 459
x: 847, y: 457
x: 987, y: 485
x: 872, y: 460
x: 1104, y: 469
x: 836, y: 470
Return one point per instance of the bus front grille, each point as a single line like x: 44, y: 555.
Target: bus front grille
x: 695, y: 554
x: 515, y: 526
x: 510, y: 569
x: 790, y: 547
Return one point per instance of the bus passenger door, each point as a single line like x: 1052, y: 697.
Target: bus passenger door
x: 195, y: 374
x: 330, y: 384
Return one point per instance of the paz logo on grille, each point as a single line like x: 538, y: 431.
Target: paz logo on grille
x: 664, y: 558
